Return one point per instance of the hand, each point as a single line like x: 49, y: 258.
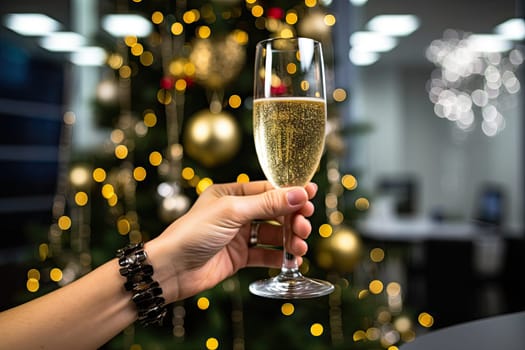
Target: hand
x: 210, y: 242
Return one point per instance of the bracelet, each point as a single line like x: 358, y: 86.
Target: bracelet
x: 146, y: 293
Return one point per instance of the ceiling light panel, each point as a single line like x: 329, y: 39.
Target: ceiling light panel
x: 121, y: 25
x: 395, y: 25
x: 31, y: 24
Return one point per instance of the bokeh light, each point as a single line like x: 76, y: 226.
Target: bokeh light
x: 375, y: 286
x: 64, y: 222
x: 325, y: 230
x: 243, y: 178
x: 55, y: 274
x: 203, y: 303
x: 287, y: 309
x: 99, y: 175
x: 212, y: 344
x: 316, y: 329
x: 81, y: 198
x: 425, y: 319
x: 377, y: 254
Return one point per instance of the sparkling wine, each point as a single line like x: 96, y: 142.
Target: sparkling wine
x: 289, y: 137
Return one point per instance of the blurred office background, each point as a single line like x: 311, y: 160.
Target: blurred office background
x: 424, y: 155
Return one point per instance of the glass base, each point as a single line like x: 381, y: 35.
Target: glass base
x: 291, y: 286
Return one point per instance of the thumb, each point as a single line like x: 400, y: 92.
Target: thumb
x: 271, y: 204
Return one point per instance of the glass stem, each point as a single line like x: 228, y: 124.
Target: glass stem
x: 289, y: 266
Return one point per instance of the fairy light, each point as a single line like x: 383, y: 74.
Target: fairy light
x: 373, y: 333
x: 243, y: 178
x: 33, y: 273
x: 375, y: 286
x: 203, y: 303
x: 188, y: 173
x: 124, y: 72
x: 362, y: 204
x: 137, y: 49
x: 339, y: 95
x: 329, y: 20
x: 123, y: 226
x: 32, y: 285
x: 204, y: 184
x: 155, y: 158
x: 203, y: 32
x: 43, y: 251
x: 55, y: 274
x: 64, y: 222
x: 121, y: 152
x: 164, y: 97
x: 316, y: 329
x: 425, y: 319
x: 212, y: 343
x: 181, y: 85
x: 257, y: 11
x: 234, y: 101
x: 139, y: 173
x: 107, y: 191
x: 325, y: 230
x: 359, y: 335
x: 287, y: 309
x: 362, y: 294
x: 157, y: 17
x: 130, y: 40
x: 177, y: 28
x: 377, y: 255
x: 81, y: 198
x: 146, y: 59
x: 99, y: 175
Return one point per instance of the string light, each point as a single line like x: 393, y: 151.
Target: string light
x: 425, y: 319
x: 243, y: 178
x: 375, y: 286
x: 316, y: 329
x: 203, y: 303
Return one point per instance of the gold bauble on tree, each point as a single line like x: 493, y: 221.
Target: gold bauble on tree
x: 212, y: 138
x: 341, y: 252
x: 218, y: 60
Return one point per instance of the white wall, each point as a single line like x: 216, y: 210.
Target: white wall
x: 450, y: 166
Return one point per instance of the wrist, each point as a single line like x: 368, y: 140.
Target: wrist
x: 146, y: 293
x: 164, y: 271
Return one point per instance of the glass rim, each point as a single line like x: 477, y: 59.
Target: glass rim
x: 264, y: 42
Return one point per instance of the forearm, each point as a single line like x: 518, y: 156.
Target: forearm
x: 82, y: 315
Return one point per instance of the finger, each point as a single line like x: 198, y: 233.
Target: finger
x: 301, y: 226
x: 311, y: 188
x: 242, y: 189
x: 297, y: 246
x: 307, y: 210
x: 269, y: 204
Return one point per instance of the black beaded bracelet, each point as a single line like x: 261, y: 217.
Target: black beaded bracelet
x: 146, y: 293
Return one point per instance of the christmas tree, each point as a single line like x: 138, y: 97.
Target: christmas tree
x: 178, y: 106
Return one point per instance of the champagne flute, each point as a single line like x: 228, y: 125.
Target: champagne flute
x: 289, y: 120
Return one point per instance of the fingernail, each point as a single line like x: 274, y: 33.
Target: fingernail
x: 295, y: 197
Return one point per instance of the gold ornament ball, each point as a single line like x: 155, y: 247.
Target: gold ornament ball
x: 217, y: 60
x: 212, y: 138
x: 342, y: 251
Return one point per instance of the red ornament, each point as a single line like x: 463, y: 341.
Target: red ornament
x: 167, y: 83
x: 276, y: 13
x: 189, y: 81
x: 278, y: 90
